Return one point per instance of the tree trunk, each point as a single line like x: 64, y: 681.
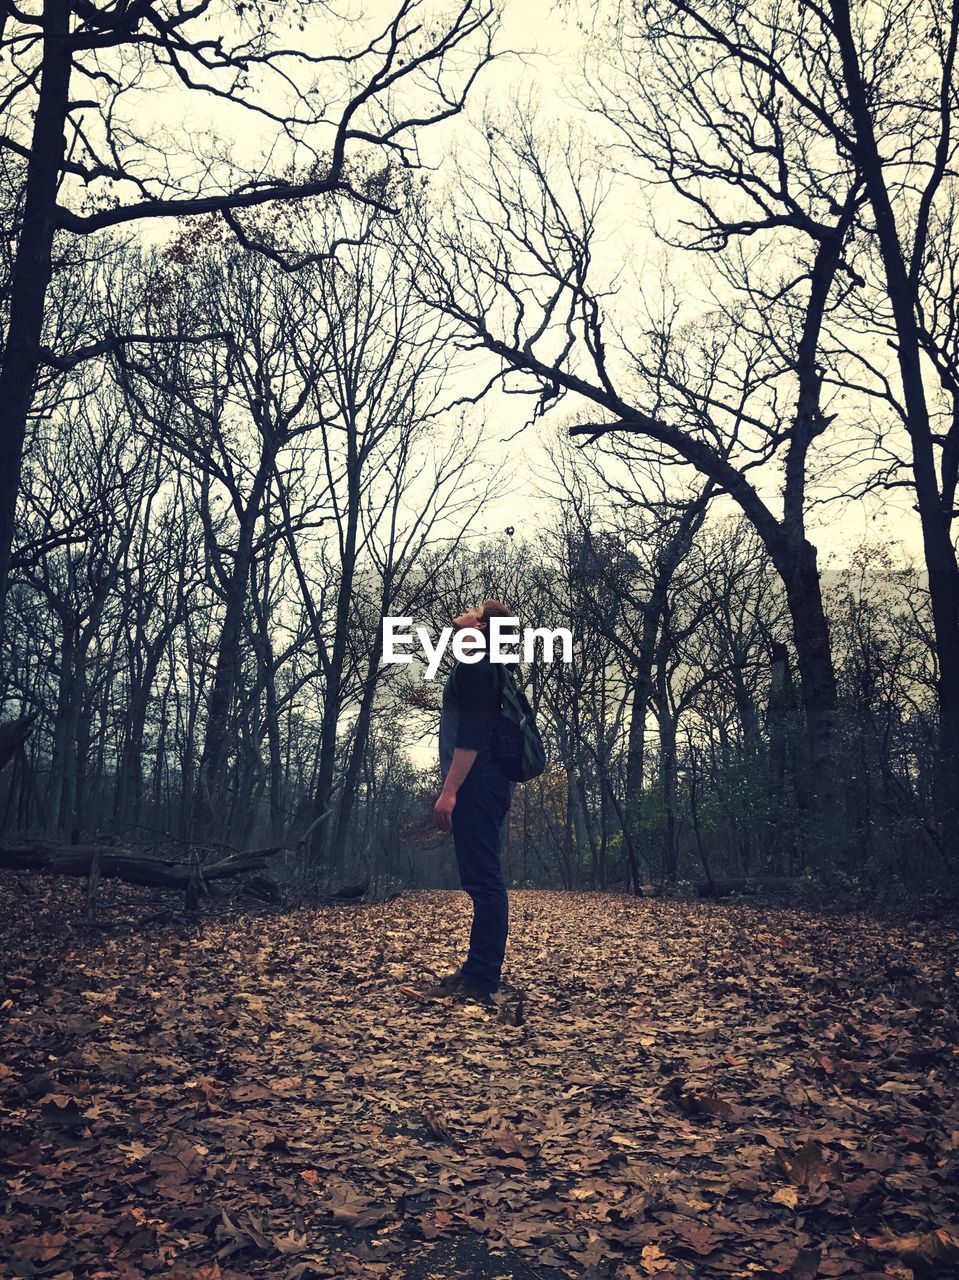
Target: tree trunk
x: 779, y: 715
x: 351, y: 775
x: 323, y: 834
x: 216, y: 738
x: 667, y: 768
x: 822, y: 786
x: 934, y: 516
x: 639, y: 707
x: 675, y: 551
x: 129, y: 793
x: 58, y: 799
x: 32, y: 268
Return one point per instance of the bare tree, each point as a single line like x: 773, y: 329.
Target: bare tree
x: 94, y: 473
x: 516, y: 269
x: 101, y: 158
x: 226, y: 411
x: 800, y: 119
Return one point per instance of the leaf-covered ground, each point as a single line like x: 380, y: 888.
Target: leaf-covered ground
x: 694, y: 1091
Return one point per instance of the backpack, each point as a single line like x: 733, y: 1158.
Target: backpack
x: 515, y: 743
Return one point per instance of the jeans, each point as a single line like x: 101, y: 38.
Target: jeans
x: 482, y: 804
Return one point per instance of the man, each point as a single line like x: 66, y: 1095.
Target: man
x: 473, y: 806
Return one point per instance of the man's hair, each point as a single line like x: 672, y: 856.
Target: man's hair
x: 493, y: 609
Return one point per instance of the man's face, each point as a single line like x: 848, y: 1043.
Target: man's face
x: 470, y: 618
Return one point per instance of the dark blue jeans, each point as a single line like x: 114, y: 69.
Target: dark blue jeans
x: 482, y: 803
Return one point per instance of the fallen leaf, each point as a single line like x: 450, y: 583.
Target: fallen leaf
x: 809, y: 1165
x: 928, y: 1247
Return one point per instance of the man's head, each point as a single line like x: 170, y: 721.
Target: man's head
x: 478, y: 617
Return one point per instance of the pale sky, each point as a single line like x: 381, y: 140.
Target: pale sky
x: 549, y: 59
x: 548, y: 56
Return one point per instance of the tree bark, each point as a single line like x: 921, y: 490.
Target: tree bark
x: 934, y: 516
x: 357, y: 752
x: 667, y: 761
x: 822, y: 786
x: 32, y: 267
x: 324, y: 833
x: 212, y: 759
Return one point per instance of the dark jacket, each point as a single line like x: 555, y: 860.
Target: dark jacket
x: 471, y: 703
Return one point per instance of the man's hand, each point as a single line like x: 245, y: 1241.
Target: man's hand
x: 443, y: 811
x: 463, y: 760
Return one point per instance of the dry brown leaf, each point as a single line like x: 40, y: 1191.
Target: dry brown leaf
x: 788, y: 1196
x: 810, y: 1165
x: 696, y: 1102
x: 293, y: 1142
x: 652, y: 1259
x: 929, y: 1247
x: 437, y: 1125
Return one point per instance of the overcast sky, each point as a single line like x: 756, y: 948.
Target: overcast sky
x: 551, y: 48
x: 547, y: 51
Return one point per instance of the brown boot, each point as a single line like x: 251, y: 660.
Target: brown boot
x: 470, y: 991
x: 446, y: 986
x: 460, y: 988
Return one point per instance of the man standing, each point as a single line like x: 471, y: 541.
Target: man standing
x: 473, y: 805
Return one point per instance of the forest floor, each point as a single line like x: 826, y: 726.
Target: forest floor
x: 685, y: 1091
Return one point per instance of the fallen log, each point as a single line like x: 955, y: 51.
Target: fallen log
x: 264, y: 889
x: 751, y: 886
x: 238, y: 863
x: 119, y: 863
x: 350, y: 892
